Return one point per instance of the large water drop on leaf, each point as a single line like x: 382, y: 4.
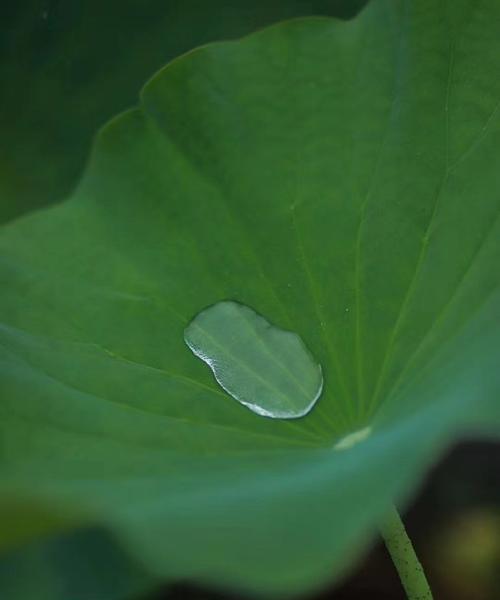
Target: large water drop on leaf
x: 269, y: 370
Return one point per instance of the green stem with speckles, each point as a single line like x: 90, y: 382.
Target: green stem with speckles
x: 404, y: 558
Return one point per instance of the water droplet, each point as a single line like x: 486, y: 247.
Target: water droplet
x: 267, y: 369
x: 353, y: 438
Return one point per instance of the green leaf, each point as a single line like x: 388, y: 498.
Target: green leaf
x: 342, y: 180
x: 84, y: 62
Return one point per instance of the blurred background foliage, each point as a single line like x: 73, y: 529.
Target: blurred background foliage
x: 66, y: 67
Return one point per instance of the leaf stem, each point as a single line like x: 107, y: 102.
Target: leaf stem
x: 404, y: 558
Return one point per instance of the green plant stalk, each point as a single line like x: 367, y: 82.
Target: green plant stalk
x: 404, y: 558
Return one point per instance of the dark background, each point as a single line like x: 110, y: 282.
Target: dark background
x: 66, y: 67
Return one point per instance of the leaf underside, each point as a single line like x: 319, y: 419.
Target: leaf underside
x: 342, y: 180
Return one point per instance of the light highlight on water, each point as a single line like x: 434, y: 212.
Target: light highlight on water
x: 350, y: 440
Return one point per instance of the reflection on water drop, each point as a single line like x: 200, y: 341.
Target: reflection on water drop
x: 267, y: 369
x: 350, y: 440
